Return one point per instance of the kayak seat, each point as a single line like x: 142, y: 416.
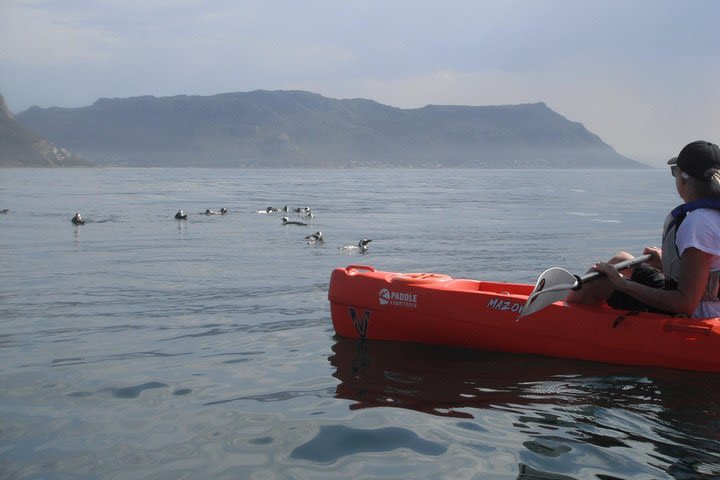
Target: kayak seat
x: 409, y: 278
x: 355, y: 269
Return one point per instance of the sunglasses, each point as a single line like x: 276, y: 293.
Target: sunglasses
x: 675, y: 171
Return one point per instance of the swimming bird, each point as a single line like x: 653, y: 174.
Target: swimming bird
x: 180, y: 215
x: 5, y: 210
x: 362, y: 246
x: 211, y: 212
x: 291, y: 222
x: 315, y: 238
x: 78, y: 220
x: 223, y: 211
x: 268, y: 210
x: 308, y: 215
x: 301, y: 209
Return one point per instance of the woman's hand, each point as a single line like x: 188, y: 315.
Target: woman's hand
x: 656, y: 260
x: 611, y: 274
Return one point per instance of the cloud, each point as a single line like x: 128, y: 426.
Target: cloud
x: 33, y: 35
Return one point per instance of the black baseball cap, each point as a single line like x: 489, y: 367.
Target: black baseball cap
x: 698, y: 159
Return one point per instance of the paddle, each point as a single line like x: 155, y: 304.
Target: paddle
x: 555, y: 283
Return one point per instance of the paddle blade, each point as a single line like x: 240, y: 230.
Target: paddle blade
x: 554, y: 284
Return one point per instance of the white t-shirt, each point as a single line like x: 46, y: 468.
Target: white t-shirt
x: 701, y: 229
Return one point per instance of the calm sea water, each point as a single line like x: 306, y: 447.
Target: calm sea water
x: 137, y: 346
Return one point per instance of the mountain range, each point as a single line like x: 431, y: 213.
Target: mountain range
x: 303, y: 129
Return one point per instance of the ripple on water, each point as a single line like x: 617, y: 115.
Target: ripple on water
x: 336, y: 441
x: 135, y: 390
x: 548, y: 446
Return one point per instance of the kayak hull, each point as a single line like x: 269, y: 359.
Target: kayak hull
x: 438, y: 309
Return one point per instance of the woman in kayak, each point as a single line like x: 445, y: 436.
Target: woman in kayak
x: 683, y: 277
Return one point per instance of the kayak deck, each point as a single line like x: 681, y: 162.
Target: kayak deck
x: 438, y: 309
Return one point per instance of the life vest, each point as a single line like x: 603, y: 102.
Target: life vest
x: 670, y: 253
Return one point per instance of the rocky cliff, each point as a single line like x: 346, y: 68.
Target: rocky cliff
x: 20, y: 147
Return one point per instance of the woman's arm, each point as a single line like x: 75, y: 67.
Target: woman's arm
x: 694, y: 272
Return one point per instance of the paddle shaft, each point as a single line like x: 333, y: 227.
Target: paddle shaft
x: 589, y: 277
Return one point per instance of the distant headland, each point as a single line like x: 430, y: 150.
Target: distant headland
x: 21, y: 147
x: 294, y: 129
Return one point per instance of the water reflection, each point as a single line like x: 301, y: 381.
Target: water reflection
x: 452, y: 382
x: 76, y: 235
x: 601, y: 406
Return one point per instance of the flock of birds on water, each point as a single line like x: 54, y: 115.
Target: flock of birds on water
x: 304, y: 213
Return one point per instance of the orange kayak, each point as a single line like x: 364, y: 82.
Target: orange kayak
x: 438, y: 309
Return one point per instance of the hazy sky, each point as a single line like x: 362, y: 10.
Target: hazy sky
x: 643, y: 75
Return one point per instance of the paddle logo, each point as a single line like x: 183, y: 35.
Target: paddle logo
x: 384, y: 296
x: 397, y: 299
x: 361, y: 323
